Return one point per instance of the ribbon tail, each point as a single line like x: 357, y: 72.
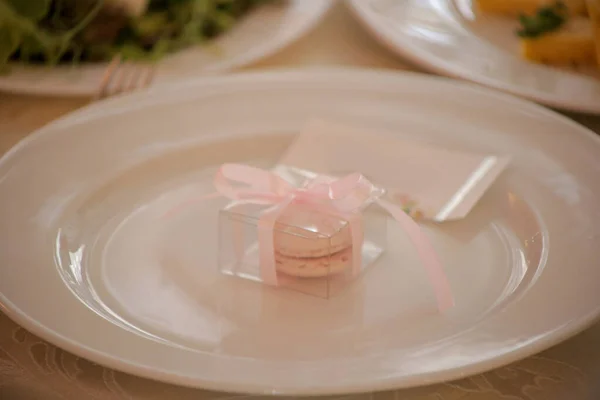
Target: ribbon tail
x: 266, y: 247
x: 266, y: 244
x: 427, y: 254
x: 358, y: 235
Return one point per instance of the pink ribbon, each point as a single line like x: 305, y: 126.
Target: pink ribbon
x: 346, y: 196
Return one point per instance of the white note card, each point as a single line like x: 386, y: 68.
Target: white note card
x: 444, y: 184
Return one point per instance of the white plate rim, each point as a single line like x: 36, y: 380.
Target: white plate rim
x: 402, y: 47
x: 97, y: 109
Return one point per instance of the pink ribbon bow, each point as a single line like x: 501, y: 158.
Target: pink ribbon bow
x: 347, y: 196
x: 242, y: 182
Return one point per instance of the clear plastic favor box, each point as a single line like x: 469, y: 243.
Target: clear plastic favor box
x: 306, y: 248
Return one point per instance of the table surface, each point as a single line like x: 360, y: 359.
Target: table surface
x: 32, y: 369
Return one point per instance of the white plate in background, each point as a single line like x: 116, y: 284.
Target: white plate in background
x: 448, y: 37
x: 88, y: 263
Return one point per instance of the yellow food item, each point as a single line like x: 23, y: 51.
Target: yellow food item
x: 594, y: 12
x: 572, y: 44
x: 516, y: 7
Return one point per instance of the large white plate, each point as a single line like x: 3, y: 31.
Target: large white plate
x: 88, y: 262
x: 449, y: 38
x: 261, y: 33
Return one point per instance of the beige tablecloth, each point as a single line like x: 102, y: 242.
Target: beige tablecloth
x: 31, y: 369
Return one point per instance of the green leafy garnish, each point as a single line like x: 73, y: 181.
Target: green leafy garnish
x: 55, y: 31
x: 546, y: 19
x: 19, y: 30
x: 34, y: 10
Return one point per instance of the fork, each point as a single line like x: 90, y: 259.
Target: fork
x: 124, y: 76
